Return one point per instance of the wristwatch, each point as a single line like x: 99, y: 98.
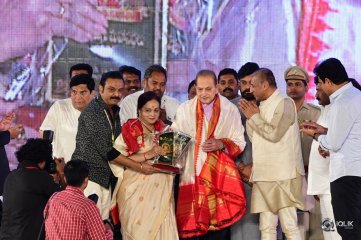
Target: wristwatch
x: 315, y: 136
x: 223, y: 148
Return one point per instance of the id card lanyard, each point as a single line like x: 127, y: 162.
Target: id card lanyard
x: 111, y: 125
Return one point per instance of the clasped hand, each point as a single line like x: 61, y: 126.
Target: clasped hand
x: 248, y: 108
x: 211, y: 145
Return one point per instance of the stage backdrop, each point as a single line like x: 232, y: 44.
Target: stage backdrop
x: 182, y: 35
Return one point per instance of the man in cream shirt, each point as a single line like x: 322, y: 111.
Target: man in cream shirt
x: 277, y: 172
x: 62, y: 117
x: 155, y: 79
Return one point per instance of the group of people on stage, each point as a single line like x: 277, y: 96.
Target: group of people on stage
x: 254, y: 160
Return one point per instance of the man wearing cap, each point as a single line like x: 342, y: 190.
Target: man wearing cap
x: 296, y: 80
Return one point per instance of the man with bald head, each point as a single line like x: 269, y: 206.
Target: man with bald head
x: 277, y: 172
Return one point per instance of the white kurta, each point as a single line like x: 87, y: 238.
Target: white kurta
x: 318, y: 171
x: 128, y: 107
x: 229, y: 126
x: 62, y: 118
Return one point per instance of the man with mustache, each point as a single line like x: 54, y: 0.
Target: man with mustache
x: 131, y: 77
x: 296, y: 86
x: 99, y: 126
x: 155, y: 79
x: 248, y: 226
x: 245, y: 76
x: 228, y: 83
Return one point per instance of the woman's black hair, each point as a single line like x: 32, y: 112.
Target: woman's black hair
x: 146, y: 97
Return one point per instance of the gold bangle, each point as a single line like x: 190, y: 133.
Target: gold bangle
x: 145, y: 158
x: 141, y: 167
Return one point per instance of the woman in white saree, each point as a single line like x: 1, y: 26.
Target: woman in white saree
x: 145, y: 196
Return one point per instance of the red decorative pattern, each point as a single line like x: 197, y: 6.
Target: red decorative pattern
x: 132, y: 132
x: 310, y: 44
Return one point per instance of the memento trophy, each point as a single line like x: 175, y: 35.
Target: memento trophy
x: 174, y: 144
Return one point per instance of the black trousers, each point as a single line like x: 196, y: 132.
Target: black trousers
x: 346, y: 204
x: 223, y: 234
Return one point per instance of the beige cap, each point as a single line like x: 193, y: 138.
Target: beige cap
x: 296, y: 73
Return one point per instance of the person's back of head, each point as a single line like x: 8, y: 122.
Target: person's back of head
x: 35, y: 151
x: 355, y: 83
x: 75, y: 172
x: 80, y: 68
x: 266, y: 75
x: 331, y: 69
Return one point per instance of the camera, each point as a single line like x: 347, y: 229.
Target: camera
x: 50, y: 165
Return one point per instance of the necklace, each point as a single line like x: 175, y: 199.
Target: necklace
x: 149, y: 130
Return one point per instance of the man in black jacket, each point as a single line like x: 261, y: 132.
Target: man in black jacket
x: 99, y: 126
x: 27, y: 190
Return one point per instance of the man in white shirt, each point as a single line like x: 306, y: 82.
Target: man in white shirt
x: 62, y: 117
x: 343, y: 141
x: 318, y: 173
x: 155, y: 79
